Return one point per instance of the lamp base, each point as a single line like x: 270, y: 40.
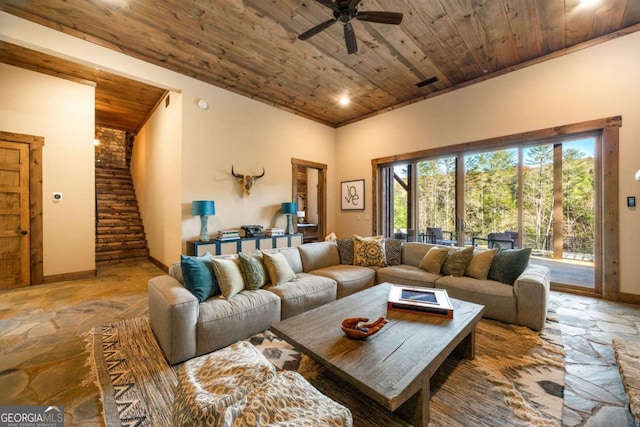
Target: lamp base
x: 290, y: 229
x: 204, y: 233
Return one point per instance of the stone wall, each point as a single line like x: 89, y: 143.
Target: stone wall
x: 112, y: 149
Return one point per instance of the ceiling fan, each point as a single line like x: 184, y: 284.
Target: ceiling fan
x: 344, y: 11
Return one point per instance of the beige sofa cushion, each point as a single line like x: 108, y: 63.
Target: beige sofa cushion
x: 350, y: 278
x: 223, y: 321
x: 303, y: 293
x: 278, y: 268
x: 319, y: 255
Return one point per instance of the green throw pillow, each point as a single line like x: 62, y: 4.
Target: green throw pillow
x: 253, y: 272
x: 508, y: 264
x: 457, y: 261
x: 228, y: 275
x: 278, y: 268
x: 198, y: 276
x: 433, y: 259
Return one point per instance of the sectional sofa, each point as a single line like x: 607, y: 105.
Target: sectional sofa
x: 186, y: 328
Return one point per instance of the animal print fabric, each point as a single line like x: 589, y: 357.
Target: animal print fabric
x: 207, y: 386
x: 288, y: 399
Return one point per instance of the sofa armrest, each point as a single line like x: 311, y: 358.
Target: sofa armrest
x: 532, y: 293
x: 173, y: 313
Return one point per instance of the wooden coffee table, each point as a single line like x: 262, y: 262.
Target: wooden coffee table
x: 394, y: 366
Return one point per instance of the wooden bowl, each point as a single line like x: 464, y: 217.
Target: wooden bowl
x: 356, y: 327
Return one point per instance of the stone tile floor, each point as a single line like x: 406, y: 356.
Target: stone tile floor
x: 42, y: 359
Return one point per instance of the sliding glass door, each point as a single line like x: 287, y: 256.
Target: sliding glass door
x: 539, y: 195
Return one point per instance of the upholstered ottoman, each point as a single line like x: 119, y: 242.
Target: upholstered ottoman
x: 209, y: 384
x: 288, y: 399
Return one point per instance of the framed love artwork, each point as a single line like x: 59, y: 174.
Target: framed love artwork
x: 352, y: 195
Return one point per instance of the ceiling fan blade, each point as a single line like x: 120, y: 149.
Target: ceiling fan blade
x: 315, y: 30
x: 328, y: 3
x: 350, y: 38
x: 380, y: 17
x: 354, y: 4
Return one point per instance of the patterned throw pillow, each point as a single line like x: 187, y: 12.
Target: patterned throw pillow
x: 228, y: 275
x: 198, y: 276
x: 253, y: 272
x: 345, y: 249
x: 480, y: 264
x: 457, y: 261
x: 369, y: 251
x: 393, y: 251
x: 278, y: 268
x: 433, y: 259
x: 508, y: 264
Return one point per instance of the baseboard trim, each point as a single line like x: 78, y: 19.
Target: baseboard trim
x: 158, y: 264
x: 66, y: 277
x: 629, y: 298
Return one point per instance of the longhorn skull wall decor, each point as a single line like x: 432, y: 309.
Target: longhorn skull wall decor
x: 247, y: 181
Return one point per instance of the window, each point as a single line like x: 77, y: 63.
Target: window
x: 541, y: 190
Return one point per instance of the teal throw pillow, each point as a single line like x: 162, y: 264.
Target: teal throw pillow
x: 253, y: 272
x: 198, y: 276
x: 508, y: 264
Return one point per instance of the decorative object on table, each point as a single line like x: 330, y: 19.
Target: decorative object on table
x: 252, y: 230
x: 247, y: 181
x: 289, y: 209
x: 204, y: 208
x: 274, y: 232
x: 301, y: 217
x: 434, y: 302
x: 228, y: 235
x: 352, y: 195
x: 356, y: 328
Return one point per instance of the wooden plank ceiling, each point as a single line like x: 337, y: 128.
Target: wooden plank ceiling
x: 121, y: 103
x: 251, y: 46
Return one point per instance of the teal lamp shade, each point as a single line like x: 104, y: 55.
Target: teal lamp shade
x: 204, y: 208
x: 289, y: 209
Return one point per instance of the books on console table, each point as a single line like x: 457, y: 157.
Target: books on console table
x: 430, y: 301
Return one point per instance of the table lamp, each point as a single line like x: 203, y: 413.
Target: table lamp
x: 289, y: 209
x: 204, y: 208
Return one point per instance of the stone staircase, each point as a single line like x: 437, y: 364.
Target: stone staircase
x: 119, y: 231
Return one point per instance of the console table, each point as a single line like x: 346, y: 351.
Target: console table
x: 309, y: 231
x: 245, y: 244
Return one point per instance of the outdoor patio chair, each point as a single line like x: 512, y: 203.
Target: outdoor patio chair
x: 502, y: 239
x: 436, y: 235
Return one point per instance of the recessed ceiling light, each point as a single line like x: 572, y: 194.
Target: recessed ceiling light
x: 584, y: 4
x: 344, y: 101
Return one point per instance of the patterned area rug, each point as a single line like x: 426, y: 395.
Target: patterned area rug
x: 516, y: 379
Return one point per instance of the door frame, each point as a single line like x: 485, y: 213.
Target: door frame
x: 35, y: 200
x: 322, y: 190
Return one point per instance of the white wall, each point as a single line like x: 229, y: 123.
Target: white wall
x: 63, y: 113
x: 156, y: 172
x: 593, y: 83
x: 234, y: 130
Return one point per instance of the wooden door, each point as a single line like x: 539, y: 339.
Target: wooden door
x: 14, y: 215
